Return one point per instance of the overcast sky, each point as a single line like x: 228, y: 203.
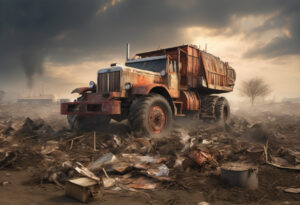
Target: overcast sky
x: 52, y: 46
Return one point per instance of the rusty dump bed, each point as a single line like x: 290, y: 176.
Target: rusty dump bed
x: 199, y: 69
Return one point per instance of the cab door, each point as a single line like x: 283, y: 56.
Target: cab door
x: 172, y: 73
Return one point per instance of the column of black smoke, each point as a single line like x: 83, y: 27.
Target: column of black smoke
x: 32, y: 61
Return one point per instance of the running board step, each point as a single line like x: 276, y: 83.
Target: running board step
x: 178, y: 106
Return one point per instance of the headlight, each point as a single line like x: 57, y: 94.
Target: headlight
x: 92, y: 84
x: 128, y: 86
x: 163, y: 73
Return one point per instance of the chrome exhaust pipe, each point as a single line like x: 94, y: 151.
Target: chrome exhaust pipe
x: 127, y: 51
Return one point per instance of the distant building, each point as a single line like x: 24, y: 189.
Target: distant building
x: 63, y: 100
x: 292, y: 100
x: 41, y: 100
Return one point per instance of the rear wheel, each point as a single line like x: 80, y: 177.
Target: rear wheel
x: 222, y: 110
x: 87, y: 123
x: 150, y: 116
x: 214, y: 108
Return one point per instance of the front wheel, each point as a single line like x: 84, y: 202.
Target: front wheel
x: 87, y: 123
x: 150, y: 116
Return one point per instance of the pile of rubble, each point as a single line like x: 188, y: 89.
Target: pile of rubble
x: 122, y: 162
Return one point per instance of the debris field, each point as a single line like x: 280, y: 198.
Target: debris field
x: 40, y: 155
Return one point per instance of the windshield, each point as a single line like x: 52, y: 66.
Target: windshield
x: 150, y: 65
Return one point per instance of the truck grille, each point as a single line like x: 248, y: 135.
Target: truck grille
x: 109, y: 82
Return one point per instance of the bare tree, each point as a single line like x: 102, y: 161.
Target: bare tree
x: 255, y: 87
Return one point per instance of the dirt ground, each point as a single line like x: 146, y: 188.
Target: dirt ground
x: 38, y: 154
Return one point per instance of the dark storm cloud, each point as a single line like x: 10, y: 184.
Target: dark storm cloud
x: 75, y: 30
x: 287, y: 18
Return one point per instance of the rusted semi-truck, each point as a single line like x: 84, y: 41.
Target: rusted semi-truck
x: 153, y: 87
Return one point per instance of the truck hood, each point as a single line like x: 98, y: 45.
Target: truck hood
x: 128, y: 69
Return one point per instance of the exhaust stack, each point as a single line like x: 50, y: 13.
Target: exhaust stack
x: 127, y: 51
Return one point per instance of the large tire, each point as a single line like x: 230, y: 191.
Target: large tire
x: 208, y: 105
x: 222, y: 110
x: 150, y: 116
x: 89, y: 123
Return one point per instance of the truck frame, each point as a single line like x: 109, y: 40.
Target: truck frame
x: 153, y: 87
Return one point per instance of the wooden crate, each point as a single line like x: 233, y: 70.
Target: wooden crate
x: 83, y: 189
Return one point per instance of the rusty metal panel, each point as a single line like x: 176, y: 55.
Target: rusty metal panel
x: 102, y: 82
x: 141, y: 78
x: 194, y: 53
x: 108, y: 107
x: 199, y: 69
x: 109, y: 82
x: 114, y: 81
x: 196, y: 67
x: 217, y: 73
x: 190, y: 99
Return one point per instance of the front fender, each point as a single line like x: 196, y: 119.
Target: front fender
x: 145, y: 89
x: 82, y: 90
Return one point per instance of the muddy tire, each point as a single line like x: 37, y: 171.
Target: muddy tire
x: 208, y: 105
x: 222, y: 110
x: 89, y: 123
x: 150, y: 116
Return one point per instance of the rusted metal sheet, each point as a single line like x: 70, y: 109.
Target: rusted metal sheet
x: 109, y: 81
x: 199, y: 69
x: 144, y: 81
x: 190, y: 99
x: 98, y: 97
x: 193, y: 66
x: 142, y: 89
x: 200, y: 157
x: 89, y: 107
x: 217, y: 72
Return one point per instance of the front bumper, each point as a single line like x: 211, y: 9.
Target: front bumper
x: 108, y: 107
